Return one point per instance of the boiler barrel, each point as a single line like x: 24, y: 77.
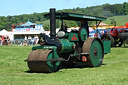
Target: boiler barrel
x: 67, y: 46
x: 123, y: 34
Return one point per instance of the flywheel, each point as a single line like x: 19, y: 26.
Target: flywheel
x: 83, y: 33
x: 94, y: 47
x: 39, y: 61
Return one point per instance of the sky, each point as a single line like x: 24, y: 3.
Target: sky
x: 19, y: 7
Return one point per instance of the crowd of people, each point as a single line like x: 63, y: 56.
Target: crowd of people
x: 30, y: 40
x: 4, y: 40
x: 101, y: 33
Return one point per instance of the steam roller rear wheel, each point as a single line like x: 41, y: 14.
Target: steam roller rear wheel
x: 94, y: 47
x: 38, y: 61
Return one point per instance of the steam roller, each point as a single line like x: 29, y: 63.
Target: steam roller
x: 67, y: 49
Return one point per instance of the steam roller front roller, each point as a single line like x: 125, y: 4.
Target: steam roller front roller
x: 41, y: 61
x: 94, y: 47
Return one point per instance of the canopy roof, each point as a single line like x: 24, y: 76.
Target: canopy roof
x: 76, y: 17
x: 26, y: 32
x: 28, y: 23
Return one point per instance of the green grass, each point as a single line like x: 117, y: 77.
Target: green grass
x: 120, y: 20
x: 13, y: 70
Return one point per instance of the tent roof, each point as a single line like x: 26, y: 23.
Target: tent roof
x: 28, y: 23
x: 4, y: 31
x: 102, y: 24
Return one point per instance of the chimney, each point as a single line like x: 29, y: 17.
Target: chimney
x: 52, y: 23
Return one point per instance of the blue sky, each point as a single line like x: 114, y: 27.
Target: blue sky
x: 18, y: 7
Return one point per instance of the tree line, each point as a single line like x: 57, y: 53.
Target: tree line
x: 105, y: 10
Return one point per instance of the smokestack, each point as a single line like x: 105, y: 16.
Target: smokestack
x: 52, y: 23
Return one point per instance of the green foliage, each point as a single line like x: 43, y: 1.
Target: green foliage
x: 14, y: 71
x: 70, y: 23
x: 67, y: 23
x: 105, y: 10
x: 46, y: 27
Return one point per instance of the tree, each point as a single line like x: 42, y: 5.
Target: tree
x: 125, y: 8
x: 46, y: 27
x: 105, y: 10
x: 113, y: 22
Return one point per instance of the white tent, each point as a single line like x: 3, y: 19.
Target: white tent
x: 6, y: 33
x: 3, y: 32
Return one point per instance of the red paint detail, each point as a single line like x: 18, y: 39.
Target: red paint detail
x: 126, y: 25
x: 84, y: 59
x: 74, y: 38
x: 28, y: 29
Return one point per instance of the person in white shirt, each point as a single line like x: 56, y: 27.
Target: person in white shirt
x: 25, y: 38
x: 36, y: 39
x: 102, y: 32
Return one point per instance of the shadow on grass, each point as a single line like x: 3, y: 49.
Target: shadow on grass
x: 33, y: 72
x: 103, y: 64
x: 61, y: 68
x: 28, y: 71
x: 124, y: 47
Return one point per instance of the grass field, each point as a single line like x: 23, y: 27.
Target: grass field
x: 14, y: 71
x: 120, y: 20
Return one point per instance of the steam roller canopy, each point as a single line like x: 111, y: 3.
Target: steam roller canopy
x: 94, y: 47
x: 39, y: 61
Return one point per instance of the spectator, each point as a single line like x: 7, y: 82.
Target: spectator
x: 108, y: 32
x: 29, y: 40
x: 8, y: 40
x: 5, y: 38
x: 25, y: 43
x: 102, y: 32
x: 1, y: 41
x: 21, y: 43
x: 32, y: 41
x: 95, y: 35
x: 36, y: 39
x: 105, y: 31
x: 99, y: 35
x: 25, y: 38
